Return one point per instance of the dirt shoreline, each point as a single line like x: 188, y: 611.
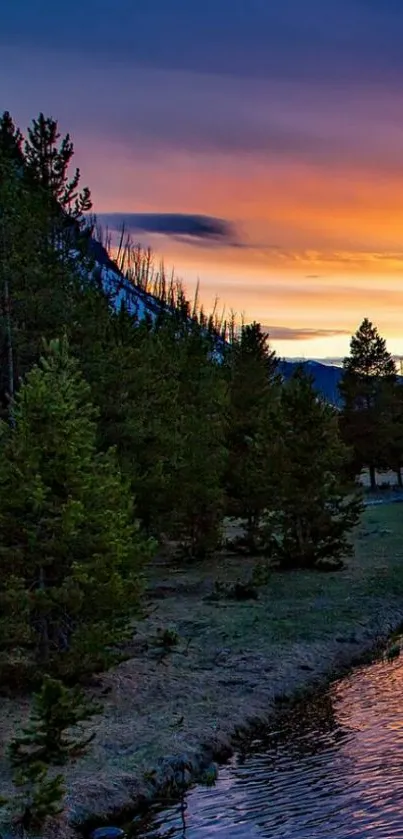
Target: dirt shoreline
x: 167, y: 718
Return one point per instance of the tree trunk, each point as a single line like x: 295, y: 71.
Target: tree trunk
x: 399, y: 477
x: 43, y: 643
x: 10, y: 360
x: 372, y: 477
x: 251, y: 531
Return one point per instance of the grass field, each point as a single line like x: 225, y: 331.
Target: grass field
x: 233, y: 661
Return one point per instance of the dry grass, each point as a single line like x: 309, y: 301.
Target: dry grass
x: 233, y: 662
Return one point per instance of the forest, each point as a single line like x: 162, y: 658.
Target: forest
x: 123, y: 436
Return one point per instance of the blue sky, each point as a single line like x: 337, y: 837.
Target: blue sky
x: 281, y: 122
x: 324, y: 41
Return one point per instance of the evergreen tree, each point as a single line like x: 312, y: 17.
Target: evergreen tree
x: 56, y: 708
x: 38, y: 287
x: 9, y: 210
x: 68, y: 541
x: 68, y: 229
x: 201, y: 454
x: 393, y: 429
x: 133, y: 372
x: 369, y: 377
x: 47, y: 165
x: 253, y: 393
x: 165, y: 412
x: 41, y: 797
x: 312, y: 512
x: 10, y: 141
x: 44, y: 742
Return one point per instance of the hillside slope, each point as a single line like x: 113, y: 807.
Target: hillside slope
x: 141, y: 304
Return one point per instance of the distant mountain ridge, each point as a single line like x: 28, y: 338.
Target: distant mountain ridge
x: 326, y: 378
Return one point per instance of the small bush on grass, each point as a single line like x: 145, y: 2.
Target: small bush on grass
x: 167, y: 638
x: 56, y: 708
x: 44, y: 742
x: 39, y: 798
x: 233, y: 591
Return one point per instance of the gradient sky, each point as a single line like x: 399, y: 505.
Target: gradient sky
x: 280, y: 122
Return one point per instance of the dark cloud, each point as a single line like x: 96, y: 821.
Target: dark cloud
x: 178, y: 225
x: 286, y: 333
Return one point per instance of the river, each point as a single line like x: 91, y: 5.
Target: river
x: 333, y: 767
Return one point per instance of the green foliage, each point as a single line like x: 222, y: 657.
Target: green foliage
x: 38, y: 796
x: 55, y: 709
x: 197, y: 490
x: 368, y: 389
x: 261, y: 574
x: 68, y: 540
x: 312, y: 512
x: 138, y: 409
x: 165, y: 413
x: 208, y: 777
x: 167, y: 638
x: 41, y: 796
x: 253, y: 394
x: 233, y: 591
x: 36, y: 288
x: 10, y: 140
x: 43, y: 244
x: 393, y: 429
x: 145, y: 416
x: 44, y: 742
x: 46, y: 164
x: 393, y: 652
x: 369, y: 359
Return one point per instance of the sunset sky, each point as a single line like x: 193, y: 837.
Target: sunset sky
x: 280, y: 122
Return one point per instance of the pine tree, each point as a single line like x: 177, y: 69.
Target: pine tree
x: 38, y: 288
x: 56, y: 708
x: 51, y: 738
x: 369, y: 376
x: 47, y: 165
x: 393, y: 429
x: 9, y: 212
x: 41, y: 796
x: 10, y: 140
x: 201, y: 453
x: 312, y: 511
x: 139, y: 406
x: 12, y: 218
x: 369, y: 357
x: 68, y: 540
x: 165, y: 412
x: 47, y: 160
x: 253, y: 393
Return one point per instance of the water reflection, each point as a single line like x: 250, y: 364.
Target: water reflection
x: 332, y: 768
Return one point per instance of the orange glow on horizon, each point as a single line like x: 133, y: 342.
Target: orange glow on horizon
x: 315, y: 248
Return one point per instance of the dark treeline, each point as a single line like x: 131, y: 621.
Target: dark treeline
x: 371, y: 420
x: 121, y: 436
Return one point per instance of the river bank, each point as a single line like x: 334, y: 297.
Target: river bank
x: 234, y: 664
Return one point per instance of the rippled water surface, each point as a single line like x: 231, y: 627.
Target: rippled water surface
x: 333, y: 769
